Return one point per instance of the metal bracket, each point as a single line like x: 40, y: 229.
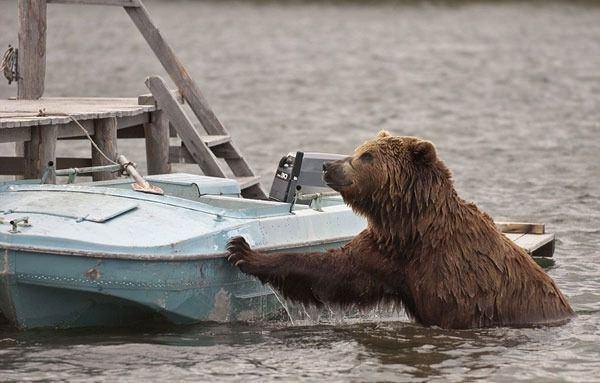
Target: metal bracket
x: 315, y: 198
x: 24, y: 221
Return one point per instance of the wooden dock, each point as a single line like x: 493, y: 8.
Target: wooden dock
x: 40, y: 123
x: 35, y: 123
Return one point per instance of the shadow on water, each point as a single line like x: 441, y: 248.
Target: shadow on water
x: 198, y: 335
x: 425, y: 349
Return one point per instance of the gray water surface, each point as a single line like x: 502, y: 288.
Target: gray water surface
x: 509, y: 92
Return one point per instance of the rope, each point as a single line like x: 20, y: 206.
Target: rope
x: 42, y: 113
x: 9, y: 64
x: 92, y: 141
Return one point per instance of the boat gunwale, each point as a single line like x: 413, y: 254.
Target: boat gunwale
x: 166, y: 200
x: 4, y: 246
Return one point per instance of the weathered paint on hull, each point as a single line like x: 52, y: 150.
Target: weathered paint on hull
x: 48, y: 290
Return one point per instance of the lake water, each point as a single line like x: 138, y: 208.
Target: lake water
x: 508, y: 91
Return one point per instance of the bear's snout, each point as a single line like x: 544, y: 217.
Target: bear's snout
x: 335, y: 175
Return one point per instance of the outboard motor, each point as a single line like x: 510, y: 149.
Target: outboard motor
x: 300, y: 172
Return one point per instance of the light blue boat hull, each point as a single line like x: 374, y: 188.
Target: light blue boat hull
x: 48, y: 290
x: 109, y: 256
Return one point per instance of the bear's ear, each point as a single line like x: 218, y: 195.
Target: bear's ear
x: 383, y: 134
x: 424, y: 151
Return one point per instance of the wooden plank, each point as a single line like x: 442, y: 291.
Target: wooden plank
x: 12, y: 166
x: 131, y: 132
x: 180, y: 154
x: 57, y: 110
x: 211, y: 141
x: 229, y: 153
x: 72, y: 162
x: 40, y: 150
x: 532, y: 242
x: 15, y: 134
x: 121, y: 3
x: 157, y: 144
x: 513, y: 236
x: 148, y: 99
x: 521, y: 227
x: 203, y: 156
x: 32, y: 49
x: 254, y: 192
x: 73, y: 131
x: 136, y: 120
x: 106, y: 138
x: 246, y: 182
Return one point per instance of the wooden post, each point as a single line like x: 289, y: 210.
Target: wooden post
x: 105, y: 136
x: 31, y: 63
x: 203, y: 156
x: 40, y: 150
x: 157, y: 143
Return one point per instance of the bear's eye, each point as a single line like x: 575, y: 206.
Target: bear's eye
x: 366, y: 156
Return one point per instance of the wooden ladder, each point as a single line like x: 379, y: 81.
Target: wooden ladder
x: 203, y: 150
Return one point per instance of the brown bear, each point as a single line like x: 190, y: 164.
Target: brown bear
x: 442, y: 258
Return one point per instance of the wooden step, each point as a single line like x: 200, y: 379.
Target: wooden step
x: 180, y: 154
x: 148, y: 98
x: 246, y: 182
x: 211, y: 141
x: 227, y: 151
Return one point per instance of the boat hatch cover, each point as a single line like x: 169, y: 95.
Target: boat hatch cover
x: 71, y: 205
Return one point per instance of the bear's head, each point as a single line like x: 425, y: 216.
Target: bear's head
x: 390, y: 175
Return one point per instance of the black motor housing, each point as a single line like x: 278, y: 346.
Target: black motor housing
x: 302, y: 171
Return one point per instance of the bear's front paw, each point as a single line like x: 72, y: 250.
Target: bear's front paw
x: 239, y: 253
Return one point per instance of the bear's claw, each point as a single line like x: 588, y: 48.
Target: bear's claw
x: 239, y: 252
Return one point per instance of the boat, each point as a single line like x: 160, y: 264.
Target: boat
x: 138, y: 250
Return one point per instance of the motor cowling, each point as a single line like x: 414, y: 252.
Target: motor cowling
x: 300, y: 172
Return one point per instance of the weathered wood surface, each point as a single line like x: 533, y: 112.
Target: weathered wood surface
x: 15, y: 135
x: 521, y: 227
x: 12, y: 166
x: 201, y: 154
x: 40, y: 150
x: 19, y: 113
x: 105, y: 136
x: 148, y: 98
x: 122, y: 3
x: 180, y: 154
x: 532, y: 242
x: 157, y: 144
x: 32, y: 49
x: 247, y: 182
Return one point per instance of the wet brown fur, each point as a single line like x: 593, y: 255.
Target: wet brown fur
x: 442, y: 258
